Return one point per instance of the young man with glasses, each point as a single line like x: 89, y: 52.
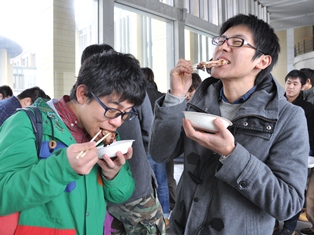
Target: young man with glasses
x: 59, y: 193
x: 239, y: 179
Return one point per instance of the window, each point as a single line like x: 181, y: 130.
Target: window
x: 147, y: 37
x: 86, y: 20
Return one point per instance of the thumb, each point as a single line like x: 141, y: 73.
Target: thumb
x: 219, y: 124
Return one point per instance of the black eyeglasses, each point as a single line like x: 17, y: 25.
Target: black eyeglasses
x: 232, y: 42
x: 114, y: 113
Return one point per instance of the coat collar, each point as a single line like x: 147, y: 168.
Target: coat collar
x: 264, y: 102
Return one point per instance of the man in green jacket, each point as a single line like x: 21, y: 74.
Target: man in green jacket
x: 59, y: 193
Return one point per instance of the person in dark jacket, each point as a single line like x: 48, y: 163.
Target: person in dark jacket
x: 308, y: 92
x: 294, y: 84
x: 158, y: 168
x: 308, y: 95
x: 151, y: 86
x: 25, y: 98
x: 295, y: 81
x: 239, y: 179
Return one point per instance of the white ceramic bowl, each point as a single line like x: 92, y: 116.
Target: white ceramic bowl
x: 113, y: 148
x: 204, y: 121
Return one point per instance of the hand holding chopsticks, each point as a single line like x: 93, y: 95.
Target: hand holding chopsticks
x: 82, y: 153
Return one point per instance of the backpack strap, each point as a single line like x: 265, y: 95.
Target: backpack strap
x: 36, y: 120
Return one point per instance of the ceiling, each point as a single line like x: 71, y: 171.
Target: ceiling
x: 285, y: 14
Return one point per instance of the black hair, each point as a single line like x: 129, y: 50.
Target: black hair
x: 94, y: 49
x: 297, y: 74
x: 196, y: 81
x: 149, y: 74
x: 33, y: 93
x: 309, y: 73
x: 112, y: 72
x: 6, y: 91
x: 264, y: 37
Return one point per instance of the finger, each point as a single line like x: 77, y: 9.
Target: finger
x: 109, y: 162
x: 184, y: 62
x: 129, y: 153
x: 183, y: 66
x: 187, y: 126
x: 183, y: 69
x: 219, y: 125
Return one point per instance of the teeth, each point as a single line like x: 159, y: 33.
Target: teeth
x: 223, y: 61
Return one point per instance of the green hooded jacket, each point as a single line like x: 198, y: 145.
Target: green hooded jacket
x: 50, y: 196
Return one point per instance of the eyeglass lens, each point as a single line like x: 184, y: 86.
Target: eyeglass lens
x: 233, y: 41
x: 114, y: 113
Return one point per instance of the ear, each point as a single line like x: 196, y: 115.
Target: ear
x: 264, y: 62
x: 308, y: 81
x: 26, y: 102
x: 80, y: 94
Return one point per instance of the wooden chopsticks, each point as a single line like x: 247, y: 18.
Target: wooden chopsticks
x: 82, y: 153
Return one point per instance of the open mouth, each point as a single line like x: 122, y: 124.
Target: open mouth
x: 111, y: 136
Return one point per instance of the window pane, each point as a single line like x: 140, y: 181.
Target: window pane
x: 86, y: 21
x: 194, y: 7
x: 148, y: 38
x: 213, y: 12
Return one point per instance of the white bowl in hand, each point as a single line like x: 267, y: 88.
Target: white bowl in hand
x: 112, y: 149
x: 204, y: 121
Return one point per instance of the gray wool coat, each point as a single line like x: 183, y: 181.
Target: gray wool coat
x: 264, y: 178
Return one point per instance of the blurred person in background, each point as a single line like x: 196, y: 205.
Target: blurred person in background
x: 295, y: 81
x: 5, y: 92
x: 25, y: 98
x: 308, y: 92
x: 158, y: 168
x: 308, y: 215
x: 196, y: 81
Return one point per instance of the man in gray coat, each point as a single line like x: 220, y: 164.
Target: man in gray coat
x: 239, y: 179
